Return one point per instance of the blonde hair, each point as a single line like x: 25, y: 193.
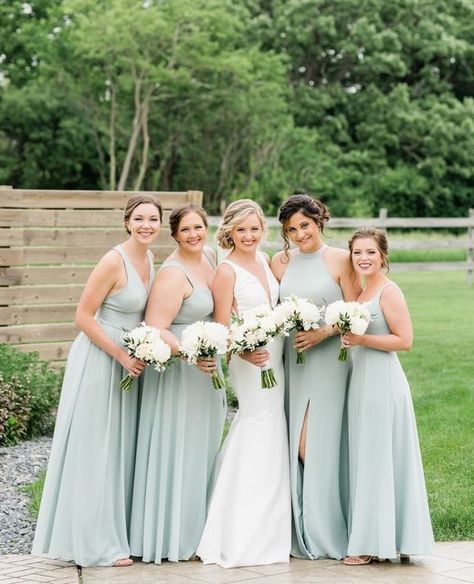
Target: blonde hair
x: 236, y: 213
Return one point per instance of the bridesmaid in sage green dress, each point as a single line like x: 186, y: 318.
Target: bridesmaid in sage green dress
x: 316, y: 390
x: 181, y: 416
x: 388, y: 503
x: 85, y: 509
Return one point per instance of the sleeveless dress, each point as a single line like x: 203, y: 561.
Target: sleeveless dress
x: 388, y: 503
x: 180, y: 431
x: 319, y: 487
x: 85, y: 509
x: 249, y: 521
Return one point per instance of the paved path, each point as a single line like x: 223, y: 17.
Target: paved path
x: 451, y: 563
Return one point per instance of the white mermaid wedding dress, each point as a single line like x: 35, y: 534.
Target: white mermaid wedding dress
x: 249, y: 519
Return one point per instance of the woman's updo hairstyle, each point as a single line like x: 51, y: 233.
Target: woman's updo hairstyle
x: 181, y: 211
x: 306, y: 204
x: 141, y: 199
x: 236, y: 213
x: 380, y: 238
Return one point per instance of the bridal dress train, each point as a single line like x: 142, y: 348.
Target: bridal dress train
x: 249, y: 520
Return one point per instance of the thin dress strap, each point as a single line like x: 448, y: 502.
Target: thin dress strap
x: 209, y: 258
x: 180, y: 266
x: 386, y: 285
x: 126, y: 261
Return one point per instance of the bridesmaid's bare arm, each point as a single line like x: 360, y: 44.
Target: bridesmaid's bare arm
x: 167, y: 294
x: 223, y: 293
x: 396, y: 314
x: 106, y: 277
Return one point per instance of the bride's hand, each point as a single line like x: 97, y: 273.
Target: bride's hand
x: 258, y: 357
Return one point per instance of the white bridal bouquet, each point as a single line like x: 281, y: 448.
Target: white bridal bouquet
x: 203, y: 340
x: 144, y: 343
x: 353, y: 317
x: 299, y: 314
x: 255, y: 329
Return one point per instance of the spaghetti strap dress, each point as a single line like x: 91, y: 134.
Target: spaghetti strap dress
x: 85, y: 509
x: 181, y: 423
x: 388, y: 502
x: 319, y: 487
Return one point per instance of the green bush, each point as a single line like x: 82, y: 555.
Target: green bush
x: 14, y: 412
x: 29, y: 395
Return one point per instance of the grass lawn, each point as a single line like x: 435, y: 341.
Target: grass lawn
x: 440, y: 369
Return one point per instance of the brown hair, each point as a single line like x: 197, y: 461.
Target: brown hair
x: 380, y: 238
x: 235, y: 214
x: 177, y: 215
x: 306, y: 204
x: 134, y: 201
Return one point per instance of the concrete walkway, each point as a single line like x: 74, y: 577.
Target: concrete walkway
x: 451, y: 563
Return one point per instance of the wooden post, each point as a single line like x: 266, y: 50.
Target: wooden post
x: 470, y: 249
x: 4, y: 188
x: 383, y: 213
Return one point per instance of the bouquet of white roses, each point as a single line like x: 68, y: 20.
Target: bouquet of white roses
x: 202, y: 340
x: 255, y: 329
x: 299, y: 314
x: 144, y: 343
x: 353, y: 317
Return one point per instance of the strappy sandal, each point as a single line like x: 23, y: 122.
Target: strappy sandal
x: 357, y: 560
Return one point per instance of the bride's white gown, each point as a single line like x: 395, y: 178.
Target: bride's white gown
x: 249, y: 520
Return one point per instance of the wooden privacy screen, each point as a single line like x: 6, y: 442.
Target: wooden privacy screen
x: 49, y: 242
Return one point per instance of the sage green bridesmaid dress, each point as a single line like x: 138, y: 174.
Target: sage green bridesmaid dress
x: 319, y: 487
x: 388, y: 503
x: 181, y: 423
x: 85, y: 508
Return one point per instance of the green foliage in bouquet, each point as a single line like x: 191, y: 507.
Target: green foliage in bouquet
x: 29, y: 393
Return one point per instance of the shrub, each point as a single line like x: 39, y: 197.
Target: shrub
x: 14, y: 412
x: 27, y: 382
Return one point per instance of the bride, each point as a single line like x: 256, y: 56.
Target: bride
x: 249, y: 521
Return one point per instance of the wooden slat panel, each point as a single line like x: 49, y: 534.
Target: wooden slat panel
x: 34, y: 276
x: 69, y: 237
x: 63, y: 218
x: 54, y: 199
x: 37, y: 314
x: 30, y: 333
x: 49, y: 351
x: 65, y: 255
x: 40, y: 295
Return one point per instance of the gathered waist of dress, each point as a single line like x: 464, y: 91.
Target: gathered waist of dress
x: 119, y: 320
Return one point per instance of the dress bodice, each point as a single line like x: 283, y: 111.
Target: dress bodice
x: 124, y: 309
x: 378, y: 325
x: 308, y: 277
x: 249, y: 291
x: 198, y: 306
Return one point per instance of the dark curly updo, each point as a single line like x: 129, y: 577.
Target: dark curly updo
x: 306, y: 204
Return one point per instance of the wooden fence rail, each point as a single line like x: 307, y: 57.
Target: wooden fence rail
x: 50, y: 240
x: 385, y: 222
x: 49, y: 243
